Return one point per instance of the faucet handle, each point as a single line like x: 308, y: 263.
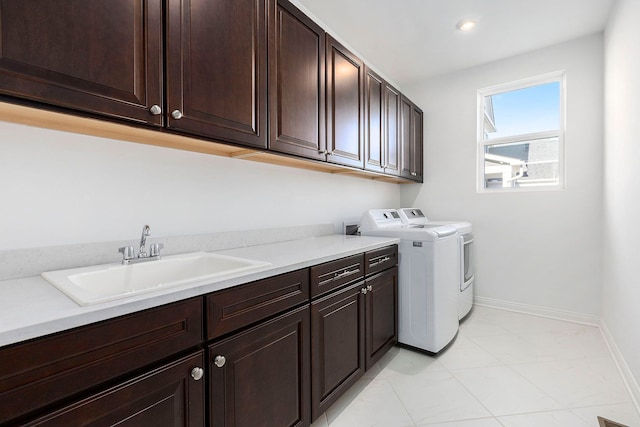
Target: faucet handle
x: 155, y: 249
x: 127, y: 253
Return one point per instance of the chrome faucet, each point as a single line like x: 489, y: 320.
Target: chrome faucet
x: 128, y: 253
x: 146, y: 231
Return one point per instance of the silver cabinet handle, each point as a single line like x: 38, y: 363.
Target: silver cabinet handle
x: 344, y: 273
x: 379, y: 261
x: 414, y: 174
x: 364, y: 291
x: 176, y: 114
x: 197, y: 373
x: 325, y: 152
x: 369, y: 288
x: 219, y: 361
x: 155, y: 109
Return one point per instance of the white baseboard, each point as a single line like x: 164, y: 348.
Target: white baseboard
x: 569, y: 316
x: 623, y: 368
x: 586, y: 319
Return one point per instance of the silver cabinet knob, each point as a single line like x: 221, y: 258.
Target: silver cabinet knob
x: 364, y: 291
x: 197, y: 373
x: 155, y: 109
x: 414, y: 174
x: 369, y: 288
x: 176, y: 114
x: 219, y: 361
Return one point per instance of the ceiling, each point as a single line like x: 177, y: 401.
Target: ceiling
x: 410, y: 40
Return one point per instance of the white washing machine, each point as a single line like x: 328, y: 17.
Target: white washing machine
x: 466, y: 254
x: 428, y: 279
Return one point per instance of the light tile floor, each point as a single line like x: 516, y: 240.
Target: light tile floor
x: 503, y: 370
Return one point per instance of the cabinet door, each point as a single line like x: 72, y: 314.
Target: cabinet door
x: 166, y: 397
x: 382, y: 314
x: 374, y: 139
x: 391, y: 119
x: 411, y: 140
x: 99, y: 56
x: 337, y: 346
x: 345, y: 101
x: 217, y: 69
x: 260, y: 377
x: 417, y: 123
x: 296, y: 82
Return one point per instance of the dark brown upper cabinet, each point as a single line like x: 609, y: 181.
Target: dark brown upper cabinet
x: 382, y: 115
x: 416, y: 126
x: 254, y: 73
x: 391, y: 117
x: 296, y: 82
x: 217, y: 69
x: 411, y: 140
x: 374, y: 121
x: 345, y: 106
x: 98, y: 56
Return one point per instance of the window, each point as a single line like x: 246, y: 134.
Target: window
x: 521, y: 135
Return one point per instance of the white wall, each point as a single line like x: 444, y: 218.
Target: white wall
x: 60, y: 188
x: 621, y: 284
x: 536, y: 248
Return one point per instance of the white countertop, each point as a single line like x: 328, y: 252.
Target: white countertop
x: 30, y: 307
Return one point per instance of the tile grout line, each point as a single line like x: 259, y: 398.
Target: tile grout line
x: 450, y: 371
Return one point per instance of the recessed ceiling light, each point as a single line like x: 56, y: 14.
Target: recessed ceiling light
x: 466, y: 25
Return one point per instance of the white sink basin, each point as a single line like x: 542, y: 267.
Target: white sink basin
x: 100, y: 283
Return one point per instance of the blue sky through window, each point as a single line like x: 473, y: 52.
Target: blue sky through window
x: 528, y: 110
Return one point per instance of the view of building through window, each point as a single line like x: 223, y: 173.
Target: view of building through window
x: 521, y: 140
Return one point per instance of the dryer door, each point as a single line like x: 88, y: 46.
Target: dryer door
x: 467, y: 266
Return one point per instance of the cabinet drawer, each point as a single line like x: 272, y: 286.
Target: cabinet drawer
x: 333, y: 274
x: 380, y: 259
x: 234, y: 308
x: 44, y: 371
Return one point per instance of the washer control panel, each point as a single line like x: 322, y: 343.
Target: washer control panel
x: 380, y: 218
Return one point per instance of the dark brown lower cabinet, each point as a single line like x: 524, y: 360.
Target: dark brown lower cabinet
x: 337, y: 345
x: 352, y: 328
x: 48, y: 371
x: 381, y: 315
x: 165, y: 397
x: 260, y: 377
x: 281, y: 350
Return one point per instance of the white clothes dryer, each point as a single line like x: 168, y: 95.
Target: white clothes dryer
x: 466, y: 254
x: 428, y: 277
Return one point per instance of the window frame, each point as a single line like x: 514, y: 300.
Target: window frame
x: 555, y: 77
